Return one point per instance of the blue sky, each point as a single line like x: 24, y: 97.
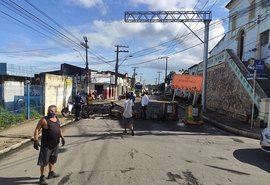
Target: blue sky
x: 37, y: 41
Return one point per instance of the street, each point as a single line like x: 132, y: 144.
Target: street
x: 96, y: 152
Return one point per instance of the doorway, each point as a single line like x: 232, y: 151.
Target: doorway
x: 99, y: 89
x: 241, y: 41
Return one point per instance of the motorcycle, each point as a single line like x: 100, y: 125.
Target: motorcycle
x: 121, y: 97
x: 69, y: 111
x: 100, y: 97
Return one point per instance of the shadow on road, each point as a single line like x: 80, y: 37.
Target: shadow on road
x: 144, y: 128
x: 253, y: 156
x: 175, y: 126
x: 18, y: 180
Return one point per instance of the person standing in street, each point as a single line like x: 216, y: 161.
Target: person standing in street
x: 51, y: 134
x: 144, y: 103
x: 127, y: 114
x: 90, y: 99
x: 77, y: 105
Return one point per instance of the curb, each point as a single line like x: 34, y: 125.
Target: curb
x: 13, y: 147
x: 232, y: 130
x: 18, y: 145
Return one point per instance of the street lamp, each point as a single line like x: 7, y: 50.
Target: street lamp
x: 126, y: 59
x: 79, y: 54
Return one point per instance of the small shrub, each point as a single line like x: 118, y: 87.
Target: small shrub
x: 20, y: 117
x: 34, y: 114
x: 7, y: 118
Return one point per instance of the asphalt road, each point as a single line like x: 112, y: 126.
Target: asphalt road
x: 160, y: 153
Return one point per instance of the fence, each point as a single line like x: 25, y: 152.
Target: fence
x: 13, y: 98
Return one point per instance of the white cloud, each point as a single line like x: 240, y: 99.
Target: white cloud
x: 107, y: 34
x: 86, y: 3
x: 142, y: 36
x: 89, y: 4
x: 166, y: 5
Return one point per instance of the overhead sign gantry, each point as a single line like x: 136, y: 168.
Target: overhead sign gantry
x: 178, y: 16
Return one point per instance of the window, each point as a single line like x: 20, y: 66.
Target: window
x: 252, y: 9
x: 234, y: 22
x: 264, y: 3
x: 264, y: 37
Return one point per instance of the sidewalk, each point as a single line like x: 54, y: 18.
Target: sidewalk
x: 232, y: 125
x: 21, y: 133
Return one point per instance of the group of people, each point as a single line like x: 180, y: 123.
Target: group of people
x: 82, y: 99
x: 52, y: 133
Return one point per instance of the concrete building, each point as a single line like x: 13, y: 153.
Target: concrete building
x: 99, y: 82
x: 248, y: 32
x: 13, y: 80
x: 228, y: 90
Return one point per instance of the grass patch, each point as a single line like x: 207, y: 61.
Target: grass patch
x: 8, y: 118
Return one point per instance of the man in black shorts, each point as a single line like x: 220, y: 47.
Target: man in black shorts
x: 51, y: 134
x: 127, y: 114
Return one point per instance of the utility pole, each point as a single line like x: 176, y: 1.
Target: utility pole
x: 116, y: 67
x: 165, y: 84
x: 141, y: 77
x: 159, y: 76
x: 86, y: 52
x: 205, y: 57
x: 85, y: 45
x: 166, y: 57
x: 134, y: 75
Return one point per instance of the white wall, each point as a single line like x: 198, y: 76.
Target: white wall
x: 250, y: 26
x: 57, y: 91
x: 12, y: 89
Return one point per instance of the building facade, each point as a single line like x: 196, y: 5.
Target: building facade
x: 248, y: 30
x: 228, y: 91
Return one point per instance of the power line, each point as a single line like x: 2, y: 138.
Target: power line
x: 49, y: 26
x: 177, y: 35
x: 185, y: 49
x: 239, y: 13
x: 45, y: 26
x: 29, y: 27
x: 29, y: 51
x: 35, y: 20
x: 51, y: 19
x: 63, y: 28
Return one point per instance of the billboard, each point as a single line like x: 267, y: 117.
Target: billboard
x: 257, y: 65
x: 189, y: 83
x: 101, y: 78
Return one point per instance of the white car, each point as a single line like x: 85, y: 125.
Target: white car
x: 265, y: 140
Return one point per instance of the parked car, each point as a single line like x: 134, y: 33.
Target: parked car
x: 265, y: 140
